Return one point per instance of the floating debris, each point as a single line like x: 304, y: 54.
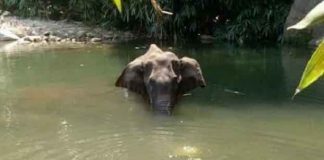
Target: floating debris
x: 140, y: 47
x: 187, y: 94
x: 234, y: 92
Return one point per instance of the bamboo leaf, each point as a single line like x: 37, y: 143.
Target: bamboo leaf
x: 118, y: 5
x: 315, y: 16
x: 313, y: 70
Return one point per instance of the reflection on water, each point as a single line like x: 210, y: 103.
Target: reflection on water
x: 61, y: 104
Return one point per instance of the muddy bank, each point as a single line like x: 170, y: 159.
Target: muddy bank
x: 38, y: 30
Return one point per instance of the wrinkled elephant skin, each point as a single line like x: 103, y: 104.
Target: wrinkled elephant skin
x: 161, y: 77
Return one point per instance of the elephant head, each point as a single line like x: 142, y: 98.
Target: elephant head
x: 161, y: 77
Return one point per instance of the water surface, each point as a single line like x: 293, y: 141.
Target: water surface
x: 60, y: 103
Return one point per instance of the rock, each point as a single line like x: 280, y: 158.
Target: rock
x: 94, y: 40
x: 81, y: 34
x: 46, y: 38
x: 34, y: 33
x: 47, y: 34
x: 58, y: 39
x: 20, y: 32
x: 4, y: 38
x: 128, y: 35
x: 65, y: 35
x: 33, y: 38
x: 8, y: 34
x: 108, y: 36
x: 37, y: 30
x: 52, y: 38
x: 63, y: 40
x: 23, y: 41
x: 90, y: 35
x: 5, y: 13
x: 61, y: 33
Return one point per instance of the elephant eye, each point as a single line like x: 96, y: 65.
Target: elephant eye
x: 152, y: 81
x: 149, y: 65
x: 175, y: 65
x: 174, y: 79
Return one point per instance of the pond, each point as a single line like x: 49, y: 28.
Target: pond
x: 60, y: 103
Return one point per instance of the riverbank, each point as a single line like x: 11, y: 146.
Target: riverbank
x: 26, y: 31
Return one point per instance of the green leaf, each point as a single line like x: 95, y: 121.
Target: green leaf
x: 315, y: 16
x: 313, y: 70
x: 118, y: 5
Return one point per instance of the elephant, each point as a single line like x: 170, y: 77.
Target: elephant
x: 161, y: 77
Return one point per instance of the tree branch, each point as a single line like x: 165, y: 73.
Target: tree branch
x: 158, y: 9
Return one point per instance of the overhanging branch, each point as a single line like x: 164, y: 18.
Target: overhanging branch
x: 158, y: 9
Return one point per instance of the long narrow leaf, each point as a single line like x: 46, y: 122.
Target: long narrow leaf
x: 313, y: 70
x: 118, y: 5
x: 315, y: 16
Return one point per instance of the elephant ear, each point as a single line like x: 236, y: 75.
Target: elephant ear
x: 132, y: 77
x: 191, y: 75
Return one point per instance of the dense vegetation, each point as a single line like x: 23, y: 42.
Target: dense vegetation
x: 232, y: 20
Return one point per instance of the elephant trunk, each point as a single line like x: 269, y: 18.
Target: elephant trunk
x: 162, y: 104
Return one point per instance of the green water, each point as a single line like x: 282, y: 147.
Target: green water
x: 60, y: 104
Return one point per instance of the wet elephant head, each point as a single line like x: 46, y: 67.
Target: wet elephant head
x: 161, y: 77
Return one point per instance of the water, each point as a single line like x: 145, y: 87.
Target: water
x: 60, y: 103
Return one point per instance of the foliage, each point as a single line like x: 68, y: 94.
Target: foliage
x: 315, y: 16
x: 233, y: 20
x: 313, y: 70
x: 315, y: 66
x: 258, y: 23
x: 118, y: 5
x: 83, y: 10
